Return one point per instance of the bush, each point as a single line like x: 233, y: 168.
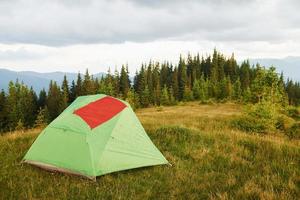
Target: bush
x: 293, y: 112
x: 284, y: 122
x: 159, y: 108
x: 208, y: 102
x: 260, y: 118
x: 250, y: 124
x: 294, y: 131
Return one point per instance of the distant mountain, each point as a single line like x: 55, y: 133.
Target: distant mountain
x: 290, y: 66
x: 36, y: 79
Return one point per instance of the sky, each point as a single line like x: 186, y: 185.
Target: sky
x: 72, y: 35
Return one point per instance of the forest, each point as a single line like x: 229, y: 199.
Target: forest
x: 215, y: 77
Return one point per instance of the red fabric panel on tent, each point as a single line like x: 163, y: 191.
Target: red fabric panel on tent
x: 100, y: 111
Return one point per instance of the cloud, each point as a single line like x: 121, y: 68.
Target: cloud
x: 63, y: 23
x: 20, y: 54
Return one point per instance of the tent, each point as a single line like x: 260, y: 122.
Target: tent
x: 95, y: 135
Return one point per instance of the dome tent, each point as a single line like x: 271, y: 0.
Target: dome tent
x: 95, y: 135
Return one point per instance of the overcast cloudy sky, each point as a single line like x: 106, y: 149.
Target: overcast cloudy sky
x: 71, y: 35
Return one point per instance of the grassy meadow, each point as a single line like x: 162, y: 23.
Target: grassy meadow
x: 210, y: 160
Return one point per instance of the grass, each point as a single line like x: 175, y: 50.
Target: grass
x: 210, y: 160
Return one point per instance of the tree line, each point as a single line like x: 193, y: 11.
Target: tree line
x: 214, y: 77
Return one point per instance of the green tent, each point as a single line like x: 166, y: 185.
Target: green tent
x: 95, y: 135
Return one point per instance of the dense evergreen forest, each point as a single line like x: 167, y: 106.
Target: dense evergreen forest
x: 211, y: 78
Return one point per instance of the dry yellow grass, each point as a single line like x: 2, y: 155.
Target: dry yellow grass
x: 210, y: 160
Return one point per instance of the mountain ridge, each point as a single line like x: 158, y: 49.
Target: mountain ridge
x: 37, y: 80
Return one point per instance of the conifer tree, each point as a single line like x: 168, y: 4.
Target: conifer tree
x: 72, y: 95
x: 175, y: 83
x: 42, y: 98
x: 237, y: 91
x: 196, y: 90
x: 144, y: 97
x: 79, y: 91
x: 87, y: 84
x: 182, y: 78
x: 116, y: 84
x: 54, y: 101
x: 124, y: 82
x: 131, y: 98
x: 11, y: 106
x: 65, y: 93
x: 164, y: 98
x: 40, y: 121
x: 171, y: 96
x: 187, y: 94
x: 203, y: 91
x: 3, y: 113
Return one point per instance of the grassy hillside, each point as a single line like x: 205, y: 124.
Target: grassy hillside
x: 210, y: 161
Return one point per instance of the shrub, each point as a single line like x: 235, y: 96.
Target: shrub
x: 159, y: 108
x: 250, y: 124
x: 260, y: 118
x: 284, y: 122
x: 294, y: 131
x: 208, y: 102
x: 293, y: 112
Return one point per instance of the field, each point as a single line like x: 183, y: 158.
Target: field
x: 210, y: 160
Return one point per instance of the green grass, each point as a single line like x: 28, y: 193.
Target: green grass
x: 210, y: 160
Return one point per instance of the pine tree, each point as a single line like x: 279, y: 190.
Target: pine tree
x: 65, y: 93
x: 182, y: 78
x: 3, y: 113
x: 175, y: 83
x: 79, y: 91
x: 188, y: 94
x: 54, y: 101
x: 164, y: 98
x: 42, y: 98
x: 11, y: 106
x: 116, y: 84
x: 87, y: 84
x: 40, y: 121
x: 247, y: 96
x: 20, y: 126
x: 203, y: 91
x: 172, y: 98
x: 31, y: 107
x: 245, y: 75
x: 196, y: 90
x: 131, y: 98
x: 229, y: 89
x: 144, y: 97
x: 124, y: 82
x: 72, y: 95
x: 237, y: 91
x: 223, y: 92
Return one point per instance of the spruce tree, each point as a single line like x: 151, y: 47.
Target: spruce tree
x: 124, y: 82
x: 87, y: 84
x: 3, y: 113
x: 182, y: 78
x: 42, y: 98
x: 11, y: 106
x: 65, y: 93
x: 40, y: 121
x: 54, y: 101
x: 144, y: 97
x: 164, y: 98
x: 72, y: 95
x: 237, y: 90
x: 79, y: 91
x: 196, y: 90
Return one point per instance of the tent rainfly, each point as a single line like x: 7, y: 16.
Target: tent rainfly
x: 95, y: 135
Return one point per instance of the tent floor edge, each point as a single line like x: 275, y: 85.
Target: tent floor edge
x: 53, y: 168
